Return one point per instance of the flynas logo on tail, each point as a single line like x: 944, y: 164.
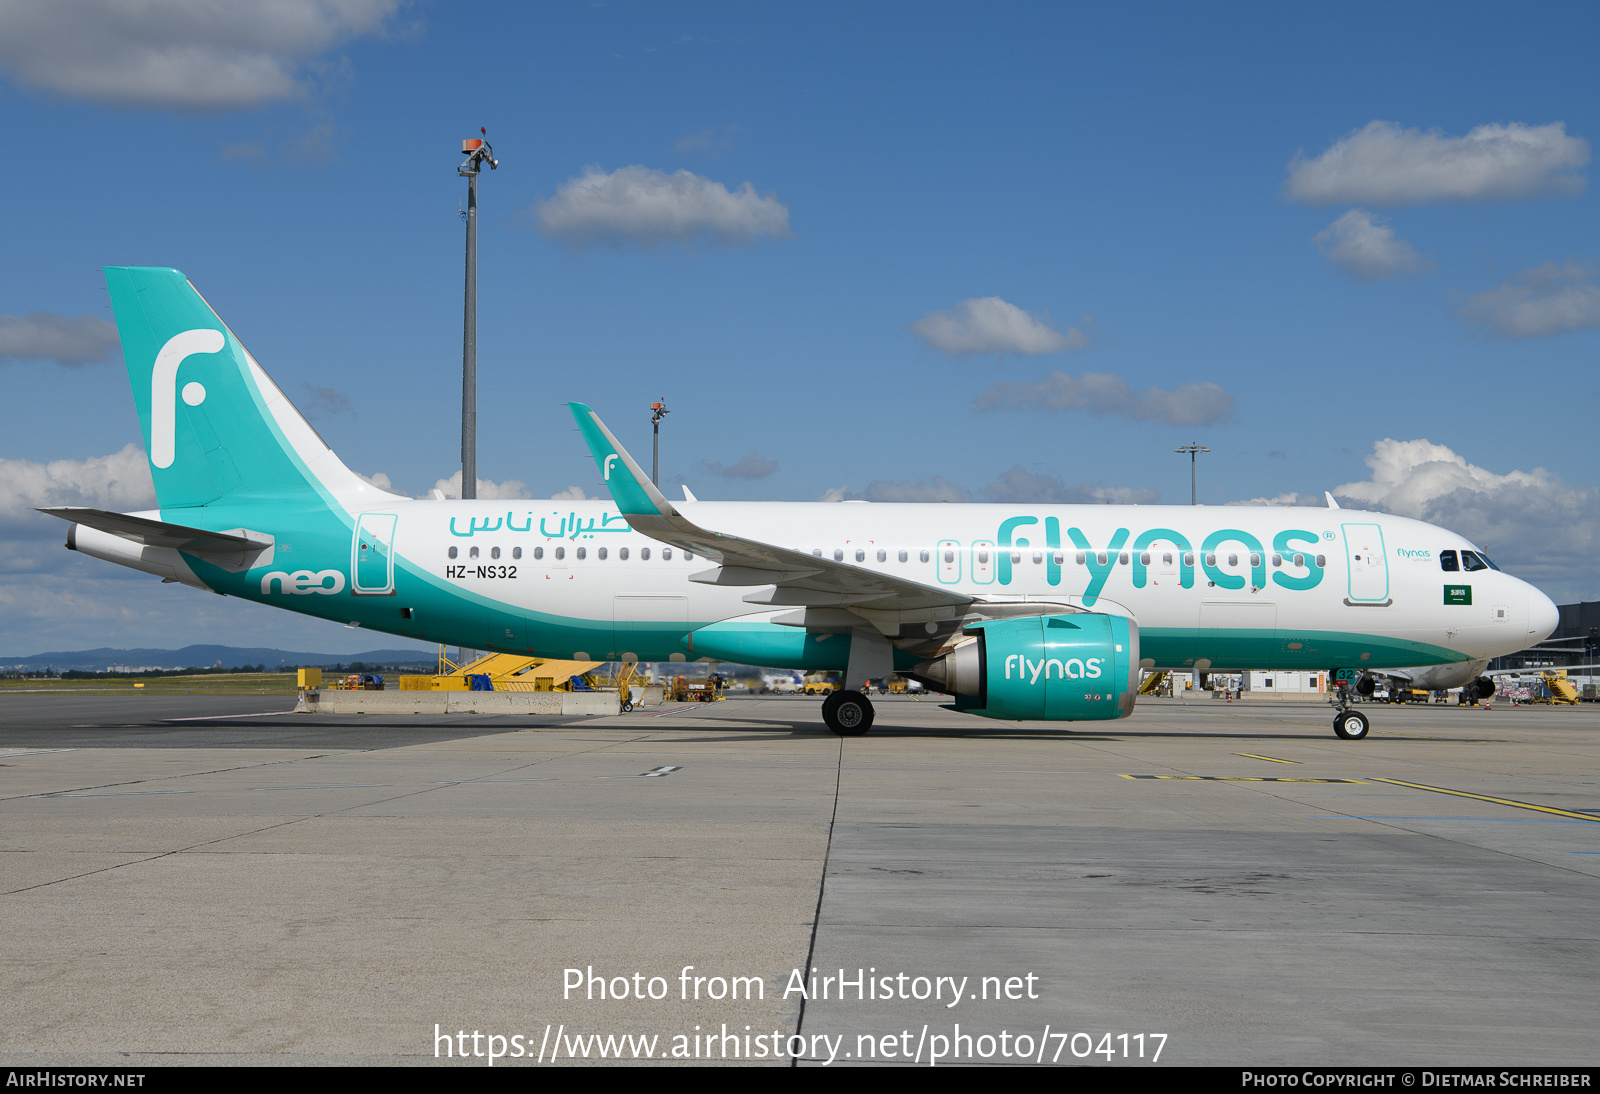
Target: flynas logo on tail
x: 609, y: 460
x: 164, y: 389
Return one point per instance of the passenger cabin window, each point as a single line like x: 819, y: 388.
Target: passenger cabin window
x: 1277, y: 560
x: 688, y: 556
x: 666, y: 553
x: 1211, y: 560
x: 883, y: 556
x: 1059, y: 557
x: 1144, y: 558
x: 983, y: 558
x: 1470, y: 561
x: 1188, y: 558
x: 1079, y: 558
x: 1299, y: 560
x: 472, y: 552
x: 1255, y: 559
x: 644, y: 554
x: 452, y: 552
x: 623, y: 554
x: 1448, y: 563
x: 1101, y: 558
x: 922, y: 556
x: 538, y: 552
x: 1123, y: 558
x: 1038, y: 557
x: 949, y: 557
x: 861, y: 556
x: 561, y: 553
x: 1322, y: 562
x: 816, y: 552
x: 602, y: 554
x: 494, y: 552
x: 904, y: 555
x: 583, y: 552
x: 516, y: 552
x: 838, y: 554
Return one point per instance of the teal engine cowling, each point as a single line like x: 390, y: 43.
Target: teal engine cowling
x: 1069, y: 668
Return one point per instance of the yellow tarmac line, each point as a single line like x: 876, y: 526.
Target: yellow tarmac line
x: 1244, y: 779
x: 1274, y: 759
x: 1496, y: 801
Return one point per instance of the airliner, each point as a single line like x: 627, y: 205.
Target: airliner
x: 1018, y: 612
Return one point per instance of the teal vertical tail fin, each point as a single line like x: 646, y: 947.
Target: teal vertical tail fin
x: 216, y: 428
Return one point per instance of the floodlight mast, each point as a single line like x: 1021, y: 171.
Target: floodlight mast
x: 1192, y: 449
x: 478, y: 152
x: 658, y: 410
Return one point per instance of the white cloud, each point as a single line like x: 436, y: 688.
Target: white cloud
x: 1382, y: 164
x: 571, y: 493
x: 938, y: 490
x: 44, y: 336
x: 488, y: 491
x: 645, y: 207
x: 1019, y: 486
x: 1549, y: 299
x: 324, y: 402
x: 120, y: 481
x: 1368, y: 250
x: 1533, y: 523
x: 748, y: 467
x: 178, y: 54
x: 1103, y: 394
x: 991, y: 325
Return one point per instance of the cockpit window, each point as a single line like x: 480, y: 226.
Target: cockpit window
x: 1488, y: 561
x: 1470, y: 561
x: 1447, y: 562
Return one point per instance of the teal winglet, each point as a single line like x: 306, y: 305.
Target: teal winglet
x: 630, y: 487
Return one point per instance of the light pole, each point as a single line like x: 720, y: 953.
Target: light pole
x: 658, y: 410
x: 478, y: 153
x: 1192, y: 449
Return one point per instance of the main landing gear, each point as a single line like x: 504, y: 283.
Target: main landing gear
x: 848, y: 713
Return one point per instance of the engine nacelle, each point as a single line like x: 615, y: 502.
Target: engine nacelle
x: 1068, y: 668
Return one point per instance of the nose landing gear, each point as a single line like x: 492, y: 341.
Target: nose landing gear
x: 1351, y: 725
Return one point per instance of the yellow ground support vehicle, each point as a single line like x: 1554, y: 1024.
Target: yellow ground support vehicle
x: 820, y: 684
x: 1561, y: 689
x: 1153, y: 682
x: 685, y: 690
x: 502, y: 672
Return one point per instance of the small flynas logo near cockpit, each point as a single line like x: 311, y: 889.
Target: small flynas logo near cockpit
x: 164, y: 389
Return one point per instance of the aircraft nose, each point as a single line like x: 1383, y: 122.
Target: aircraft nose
x: 1543, y: 616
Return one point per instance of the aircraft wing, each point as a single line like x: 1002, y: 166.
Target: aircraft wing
x: 157, y: 533
x: 797, y: 578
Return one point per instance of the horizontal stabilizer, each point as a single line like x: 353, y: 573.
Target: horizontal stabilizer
x: 236, y: 550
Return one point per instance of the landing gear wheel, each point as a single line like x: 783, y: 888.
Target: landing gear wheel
x: 1351, y: 725
x: 627, y: 707
x: 848, y: 713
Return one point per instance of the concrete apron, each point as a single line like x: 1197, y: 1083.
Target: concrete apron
x: 459, y: 702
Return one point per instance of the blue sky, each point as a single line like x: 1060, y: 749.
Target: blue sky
x: 1114, y: 180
